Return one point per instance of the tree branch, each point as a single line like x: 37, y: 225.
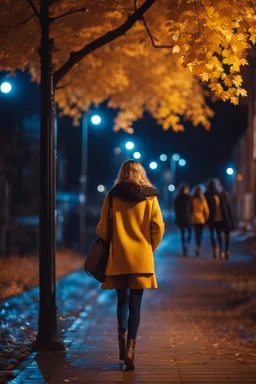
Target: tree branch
x: 34, y: 8
x: 151, y: 37
x: 75, y: 57
x: 63, y: 86
x: 14, y: 27
x: 72, y: 10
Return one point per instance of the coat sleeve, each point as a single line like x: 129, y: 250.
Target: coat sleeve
x: 175, y: 205
x: 206, y: 211
x: 101, y: 228
x: 156, y: 224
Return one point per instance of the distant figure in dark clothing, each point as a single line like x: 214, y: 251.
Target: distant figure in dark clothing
x: 183, y: 210
x: 220, y: 219
x: 200, y: 215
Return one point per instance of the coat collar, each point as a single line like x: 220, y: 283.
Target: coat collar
x: 132, y: 192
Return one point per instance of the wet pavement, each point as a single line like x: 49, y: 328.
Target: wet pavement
x: 191, y: 329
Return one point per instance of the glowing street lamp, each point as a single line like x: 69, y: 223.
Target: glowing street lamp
x: 6, y: 87
x: 96, y: 119
x: 153, y: 165
x: 137, y: 155
x: 101, y: 188
x: 117, y: 151
x: 86, y: 120
x: 129, y: 145
x: 163, y: 157
x: 182, y: 162
x: 171, y: 187
x: 176, y: 157
x: 230, y: 171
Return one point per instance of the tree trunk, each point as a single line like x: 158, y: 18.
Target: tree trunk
x: 47, y: 333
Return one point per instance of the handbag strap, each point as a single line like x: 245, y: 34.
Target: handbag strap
x: 110, y: 219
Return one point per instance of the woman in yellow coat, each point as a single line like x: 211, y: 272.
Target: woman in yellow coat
x: 200, y: 215
x: 138, y: 228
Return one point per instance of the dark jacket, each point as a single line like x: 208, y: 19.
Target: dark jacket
x: 183, y: 210
x: 226, y: 209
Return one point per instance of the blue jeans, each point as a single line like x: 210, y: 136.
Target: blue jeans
x: 128, y: 310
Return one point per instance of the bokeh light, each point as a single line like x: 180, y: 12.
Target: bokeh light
x: 171, y: 187
x: 230, y: 171
x: 117, y: 151
x: 129, y: 145
x: 6, y: 87
x: 176, y: 157
x: 137, y: 155
x: 153, y: 165
x: 96, y: 119
x: 182, y: 162
x: 163, y: 157
x: 100, y: 188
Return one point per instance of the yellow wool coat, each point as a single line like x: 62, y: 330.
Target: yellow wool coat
x: 200, y: 211
x: 138, y: 228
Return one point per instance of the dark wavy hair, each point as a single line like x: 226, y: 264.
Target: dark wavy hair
x: 181, y: 189
x: 213, y: 187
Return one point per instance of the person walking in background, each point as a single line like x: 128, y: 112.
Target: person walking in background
x: 200, y: 215
x: 220, y: 218
x: 138, y: 228
x: 183, y: 210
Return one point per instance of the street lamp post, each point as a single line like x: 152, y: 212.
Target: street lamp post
x: 95, y: 119
x: 231, y: 180
x: 47, y: 338
x: 174, y: 159
x: 5, y: 87
x: 173, y: 166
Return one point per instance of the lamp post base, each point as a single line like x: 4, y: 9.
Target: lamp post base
x: 52, y: 343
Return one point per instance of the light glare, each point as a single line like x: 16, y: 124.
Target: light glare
x: 182, y: 162
x: 137, y: 155
x: 230, y: 171
x: 153, y: 165
x: 171, y: 188
x: 6, y: 87
x: 176, y: 157
x: 100, y: 188
x: 163, y: 157
x: 96, y: 119
x: 129, y: 145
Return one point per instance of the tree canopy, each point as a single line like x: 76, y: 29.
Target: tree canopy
x: 176, y: 54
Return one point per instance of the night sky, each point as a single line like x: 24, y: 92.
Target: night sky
x: 207, y: 153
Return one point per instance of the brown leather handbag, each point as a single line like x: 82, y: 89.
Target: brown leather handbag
x: 97, y: 258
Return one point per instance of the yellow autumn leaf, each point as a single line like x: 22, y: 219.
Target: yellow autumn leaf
x: 204, y: 76
x: 228, y: 81
x: 234, y: 100
x: 175, y: 36
x: 225, y: 53
x: 237, y: 80
x: 176, y: 49
x: 253, y: 39
x: 243, y: 92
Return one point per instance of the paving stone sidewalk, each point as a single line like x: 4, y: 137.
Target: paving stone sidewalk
x: 184, y: 335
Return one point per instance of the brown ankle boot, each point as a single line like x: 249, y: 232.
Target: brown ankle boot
x: 121, y: 340
x: 129, y: 356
